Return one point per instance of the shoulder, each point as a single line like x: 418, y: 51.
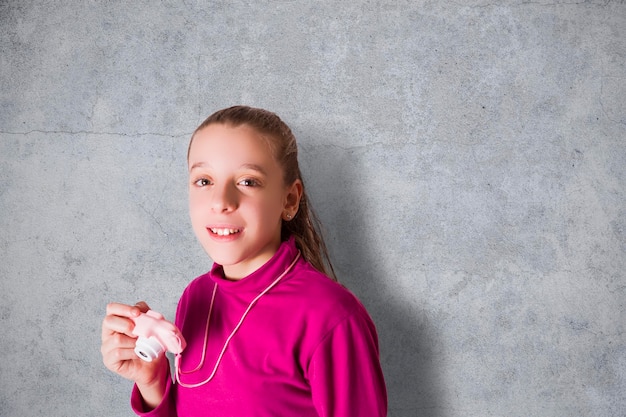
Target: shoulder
x: 199, y: 283
x: 315, y: 294
x: 329, y: 317
x: 196, y: 291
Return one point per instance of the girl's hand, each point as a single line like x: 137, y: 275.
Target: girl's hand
x: 118, y: 344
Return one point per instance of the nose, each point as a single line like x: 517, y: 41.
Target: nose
x: 224, y: 198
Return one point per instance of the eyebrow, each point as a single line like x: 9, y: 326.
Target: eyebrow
x: 197, y: 165
x: 253, y: 167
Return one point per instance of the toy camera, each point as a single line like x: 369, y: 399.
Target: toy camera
x: 156, y: 335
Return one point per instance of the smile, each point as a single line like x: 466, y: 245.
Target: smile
x: 223, y: 232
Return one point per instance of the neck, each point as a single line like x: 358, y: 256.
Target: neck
x: 241, y: 270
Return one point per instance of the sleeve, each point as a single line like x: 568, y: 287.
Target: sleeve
x: 345, y: 373
x: 167, y: 408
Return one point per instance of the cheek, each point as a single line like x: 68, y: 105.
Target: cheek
x: 273, y: 210
x: 196, y: 197
x: 195, y: 207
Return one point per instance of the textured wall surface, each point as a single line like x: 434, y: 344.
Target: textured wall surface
x: 467, y: 158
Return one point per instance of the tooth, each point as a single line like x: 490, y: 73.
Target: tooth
x: 224, y: 232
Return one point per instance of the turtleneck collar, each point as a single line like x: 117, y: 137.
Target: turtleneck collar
x: 263, y: 276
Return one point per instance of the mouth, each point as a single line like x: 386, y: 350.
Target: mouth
x: 220, y: 231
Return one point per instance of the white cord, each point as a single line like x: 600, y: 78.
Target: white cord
x: 206, y: 333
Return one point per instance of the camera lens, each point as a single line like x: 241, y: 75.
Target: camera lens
x: 148, y: 349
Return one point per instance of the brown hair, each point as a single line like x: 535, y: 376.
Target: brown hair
x: 305, y: 226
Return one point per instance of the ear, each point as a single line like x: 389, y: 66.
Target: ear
x: 292, y: 200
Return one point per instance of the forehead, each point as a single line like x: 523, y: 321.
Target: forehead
x: 218, y: 143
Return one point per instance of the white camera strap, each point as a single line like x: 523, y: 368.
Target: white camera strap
x: 232, y: 334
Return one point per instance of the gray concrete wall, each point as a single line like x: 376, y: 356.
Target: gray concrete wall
x: 467, y: 158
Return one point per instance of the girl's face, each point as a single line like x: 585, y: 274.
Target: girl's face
x: 237, y: 197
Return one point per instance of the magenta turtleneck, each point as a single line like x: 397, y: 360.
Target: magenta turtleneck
x: 306, y: 348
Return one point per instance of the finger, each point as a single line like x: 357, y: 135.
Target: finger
x: 117, y: 324
x: 117, y: 341
x: 124, y: 310
x: 143, y: 306
x: 115, y: 359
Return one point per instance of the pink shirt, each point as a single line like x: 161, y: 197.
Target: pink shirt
x: 306, y: 348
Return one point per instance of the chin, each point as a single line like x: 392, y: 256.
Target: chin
x: 223, y: 256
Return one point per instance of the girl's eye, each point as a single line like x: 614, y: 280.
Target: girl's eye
x: 202, y: 182
x: 249, y: 182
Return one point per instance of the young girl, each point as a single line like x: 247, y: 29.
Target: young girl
x: 268, y: 332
